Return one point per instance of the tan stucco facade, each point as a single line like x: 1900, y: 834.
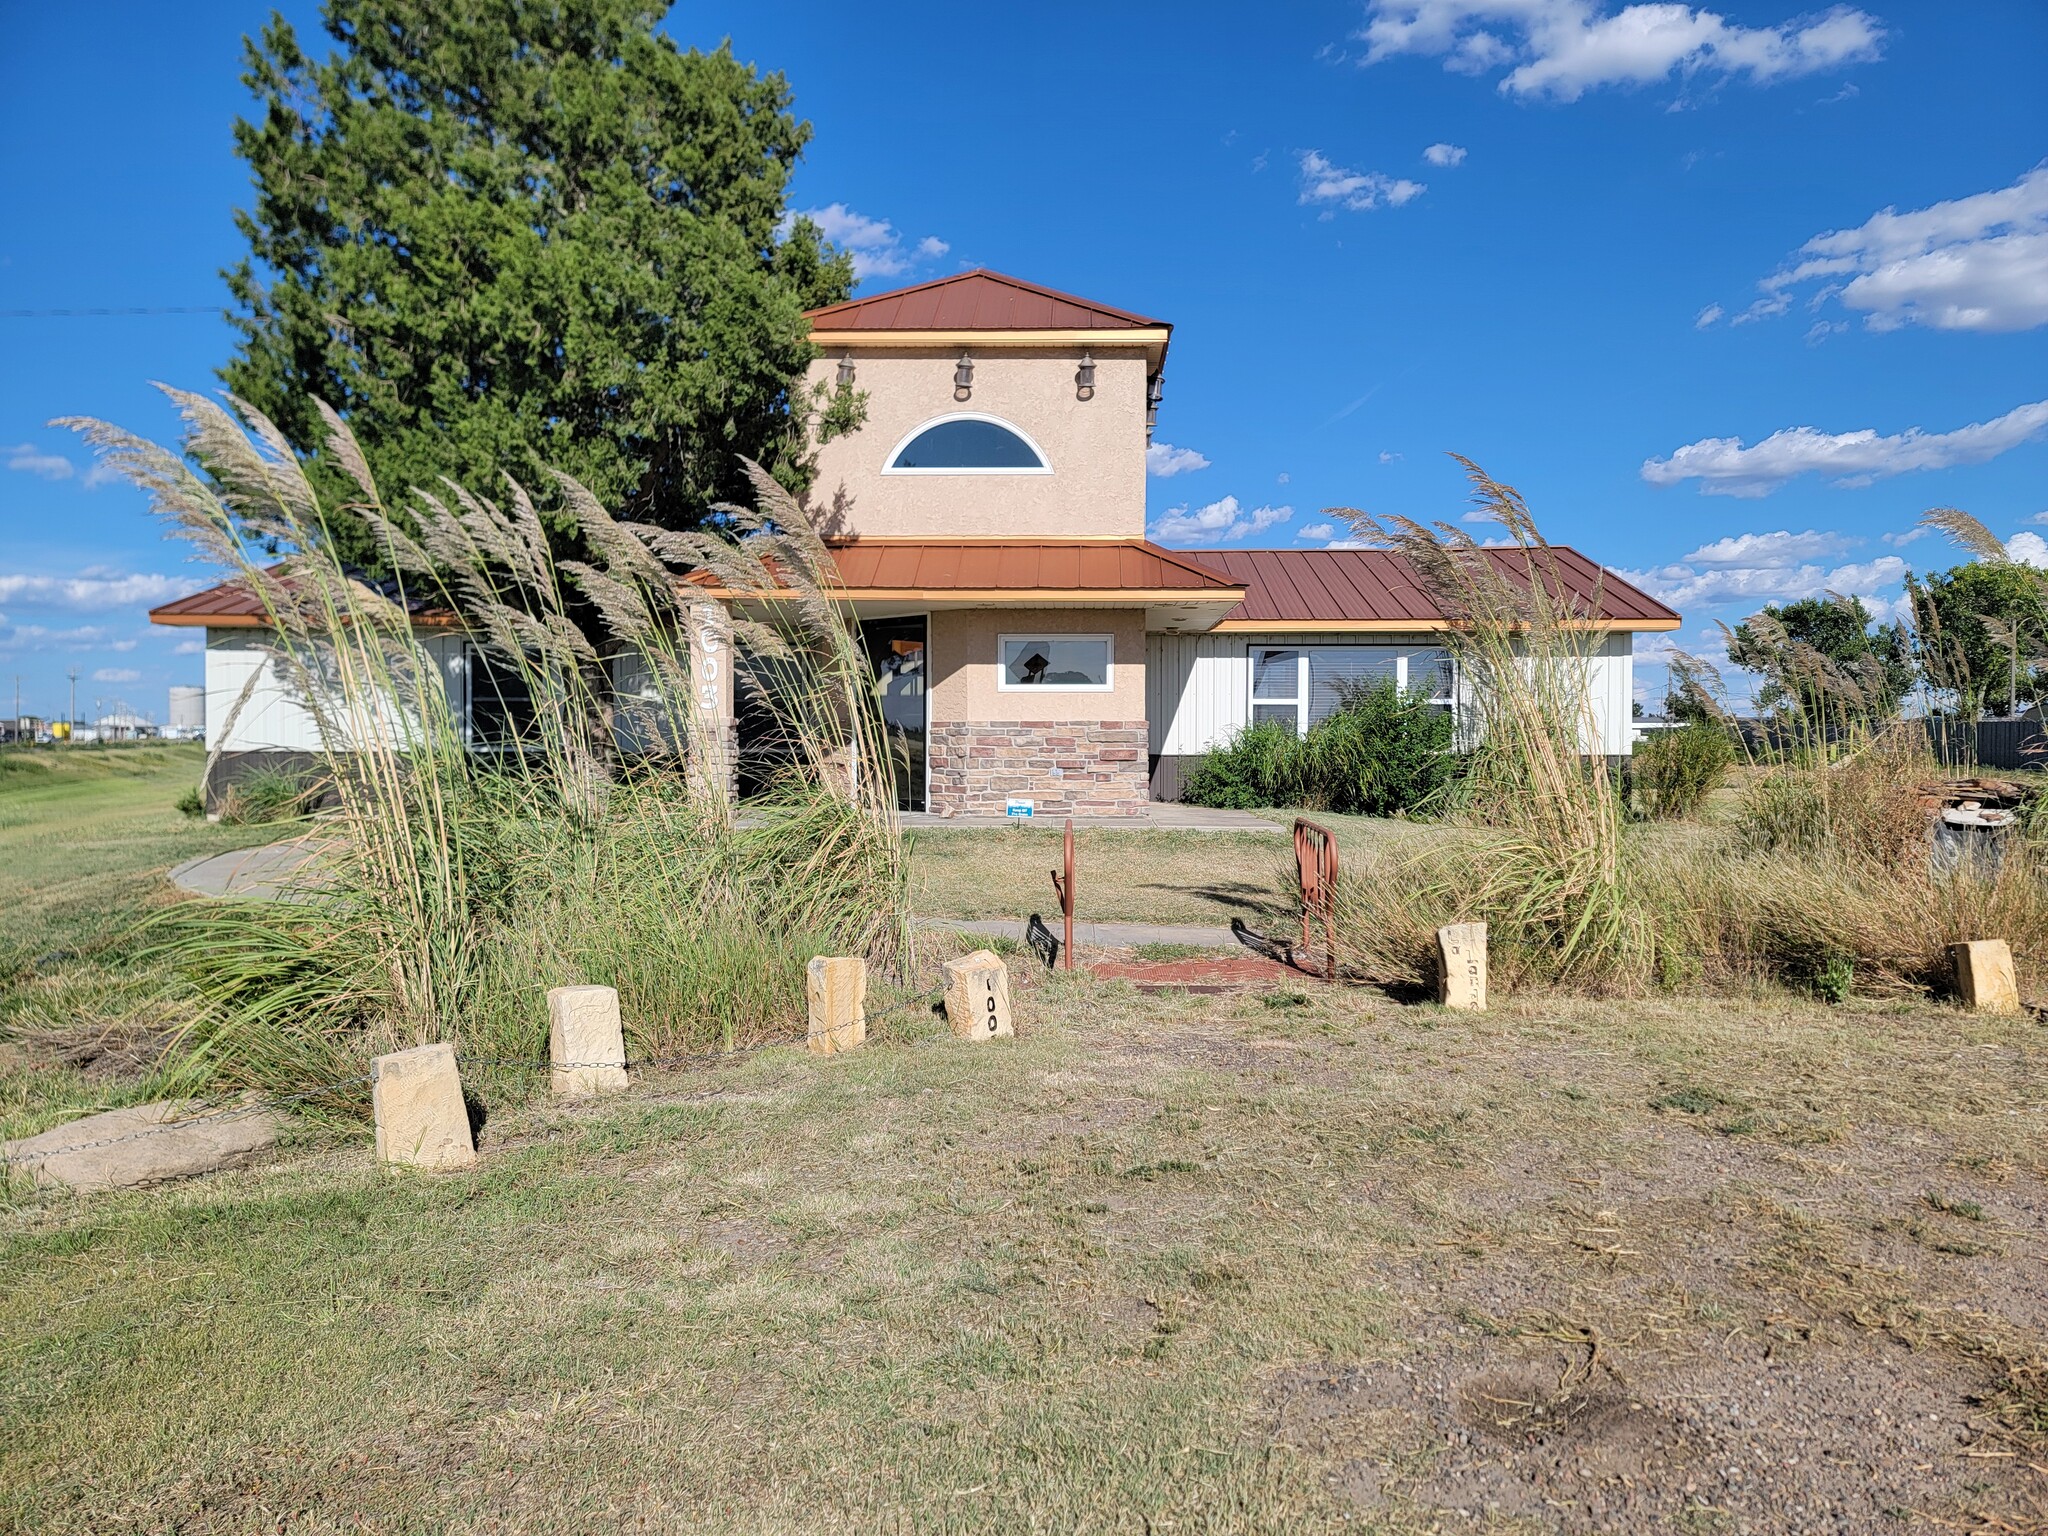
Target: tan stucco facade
x: 1095, y: 447
x: 965, y: 671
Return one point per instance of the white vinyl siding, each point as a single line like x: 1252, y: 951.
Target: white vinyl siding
x: 1198, y: 688
x: 272, y: 717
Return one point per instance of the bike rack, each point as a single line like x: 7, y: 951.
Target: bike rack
x: 1315, y: 866
x: 1063, y: 887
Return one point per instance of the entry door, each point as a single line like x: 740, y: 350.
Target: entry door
x: 896, y: 650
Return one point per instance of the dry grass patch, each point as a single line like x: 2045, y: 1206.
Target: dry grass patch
x: 1197, y: 1264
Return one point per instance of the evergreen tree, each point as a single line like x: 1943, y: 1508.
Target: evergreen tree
x: 503, y: 235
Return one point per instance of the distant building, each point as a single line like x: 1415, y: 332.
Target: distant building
x: 22, y: 728
x: 118, y: 726
x: 187, y: 719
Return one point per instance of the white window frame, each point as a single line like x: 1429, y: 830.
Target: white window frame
x: 1300, y: 697
x: 1107, y: 685
x: 889, y: 465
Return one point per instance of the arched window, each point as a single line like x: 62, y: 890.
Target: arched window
x: 966, y: 444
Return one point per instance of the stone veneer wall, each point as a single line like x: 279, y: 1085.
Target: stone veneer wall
x: 1066, y: 767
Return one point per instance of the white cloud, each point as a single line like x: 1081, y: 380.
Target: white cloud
x: 1220, y: 522
x: 1725, y: 468
x: 1901, y: 540
x: 1685, y: 585
x: 1706, y: 317
x: 1164, y: 461
x: 97, y: 590
x: 1444, y: 154
x: 1332, y: 186
x: 1316, y: 531
x: 1563, y: 48
x: 1767, y: 548
x: 117, y: 675
x: 40, y: 637
x: 1479, y: 515
x: 25, y: 458
x: 2028, y: 549
x: 1976, y: 263
x: 1387, y: 457
x: 189, y: 648
x: 877, y: 248
x: 1282, y: 478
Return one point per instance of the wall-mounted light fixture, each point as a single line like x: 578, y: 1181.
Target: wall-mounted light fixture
x: 1084, y: 378
x: 963, y: 378
x: 1155, y: 391
x: 845, y: 370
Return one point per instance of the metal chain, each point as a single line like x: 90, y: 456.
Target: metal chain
x: 226, y: 1114
x: 219, y: 1116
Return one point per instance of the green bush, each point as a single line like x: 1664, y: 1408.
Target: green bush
x: 192, y: 803
x: 1382, y: 753
x: 1255, y: 768
x: 1674, y: 771
x: 270, y: 794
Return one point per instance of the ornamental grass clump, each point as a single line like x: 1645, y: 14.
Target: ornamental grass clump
x: 1548, y: 865
x: 1671, y: 775
x: 595, y: 839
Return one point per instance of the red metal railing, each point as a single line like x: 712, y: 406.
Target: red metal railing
x: 1063, y: 887
x: 1315, y: 866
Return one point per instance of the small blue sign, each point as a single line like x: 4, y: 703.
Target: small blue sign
x: 1020, y: 808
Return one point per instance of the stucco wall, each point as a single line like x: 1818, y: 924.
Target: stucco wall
x: 1096, y: 448
x: 964, y: 668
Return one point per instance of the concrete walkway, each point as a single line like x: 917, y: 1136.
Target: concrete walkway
x: 276, y: 869
x: 1091, y: 935
x: 1160, y: 816
x: 265, y: 873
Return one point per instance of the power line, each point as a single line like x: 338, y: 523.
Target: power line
x: 66, y: 314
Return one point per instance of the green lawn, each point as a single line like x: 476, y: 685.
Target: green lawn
x: 1130, y: 876
x: 1303, y: 1262
x: 85, y: 836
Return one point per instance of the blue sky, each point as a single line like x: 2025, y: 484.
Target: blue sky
x: 1634, y: 260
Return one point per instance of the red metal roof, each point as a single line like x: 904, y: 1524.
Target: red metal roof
x: 234, y: 605
x: 980, y: 300
x: 1353, y: 587
x: 1300, y: 588
x: 1007, y: 569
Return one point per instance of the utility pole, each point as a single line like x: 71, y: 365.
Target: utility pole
x: 74, y: 699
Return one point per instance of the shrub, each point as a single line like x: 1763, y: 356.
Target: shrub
x: 264, y: 795
x: 1673, y: 772
x: 191, y: 803
x: 1382, y: 752
x: 1255, y: 768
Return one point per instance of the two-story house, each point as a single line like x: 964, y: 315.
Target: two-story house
x: 988, y: 523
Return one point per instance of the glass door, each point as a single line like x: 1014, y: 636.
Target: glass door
x: 896, y: 650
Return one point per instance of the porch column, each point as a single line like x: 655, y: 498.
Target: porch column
x: 714, y: 745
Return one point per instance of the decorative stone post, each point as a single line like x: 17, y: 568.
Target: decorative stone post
x: 1461, y: 965
x: 714, y: 733
x: 1984, y: 976
x: 586, y: 1041
x: 836, y: 987
x: 978, y: 996
x: 421, y: 1119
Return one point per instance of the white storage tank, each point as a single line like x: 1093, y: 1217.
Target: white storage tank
x: 188, y: 711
